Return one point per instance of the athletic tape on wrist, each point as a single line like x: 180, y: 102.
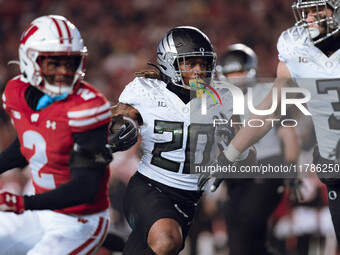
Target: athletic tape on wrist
x: 243, y: 156
x: 231, y: 153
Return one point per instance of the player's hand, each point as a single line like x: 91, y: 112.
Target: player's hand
x: 123, y: 133
x: 222, y: 161
x: 295, y: 186
x: 205, y: 177
x: 10, y: 202
x: 224, y: 134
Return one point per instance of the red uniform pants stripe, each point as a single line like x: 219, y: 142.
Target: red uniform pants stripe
x: 93, y: 238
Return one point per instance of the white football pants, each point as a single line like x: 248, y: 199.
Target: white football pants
x: 49, y: 233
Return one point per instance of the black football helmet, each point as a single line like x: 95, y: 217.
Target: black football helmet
x: 180, y: 44
x: 238, y: 58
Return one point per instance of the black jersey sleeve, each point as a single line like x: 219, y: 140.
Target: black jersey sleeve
x: 11, y: 157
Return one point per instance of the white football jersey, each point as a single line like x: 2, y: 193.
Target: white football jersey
x: 270, y: 144
x: 313, y: 70
x: 174, y: 134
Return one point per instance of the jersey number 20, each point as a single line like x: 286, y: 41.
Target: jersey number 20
x: 177, y: 128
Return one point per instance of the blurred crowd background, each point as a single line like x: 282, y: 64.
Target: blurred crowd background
x: 121, y: 37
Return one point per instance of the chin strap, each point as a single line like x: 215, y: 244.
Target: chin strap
x: 46, y: 100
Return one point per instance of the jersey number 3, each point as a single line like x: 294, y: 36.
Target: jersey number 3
x: 323, y: 86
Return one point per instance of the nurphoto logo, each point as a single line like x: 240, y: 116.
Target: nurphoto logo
x: 239, y: 100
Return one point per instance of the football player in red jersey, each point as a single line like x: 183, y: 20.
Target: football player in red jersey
x: 62, y: 132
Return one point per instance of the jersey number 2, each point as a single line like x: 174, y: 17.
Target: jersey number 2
x: 34, y: 141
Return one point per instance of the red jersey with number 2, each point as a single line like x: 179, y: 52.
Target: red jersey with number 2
x: 46, y: 136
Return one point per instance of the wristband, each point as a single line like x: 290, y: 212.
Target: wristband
x: 243, y: 156
x: 231, y: 153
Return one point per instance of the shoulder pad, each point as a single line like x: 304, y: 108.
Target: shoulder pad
x: 140, y: 89
x: 88, y: 115
x: 14, y: 93
x: 290, y: 40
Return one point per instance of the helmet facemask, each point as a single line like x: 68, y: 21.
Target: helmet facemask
x: 191, y: 78
x: 329, y: 22
x: 60, y: 71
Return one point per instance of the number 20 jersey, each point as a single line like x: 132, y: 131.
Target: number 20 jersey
x: 175, y: 135
x: 46, y: 136
x: 314, y: 71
